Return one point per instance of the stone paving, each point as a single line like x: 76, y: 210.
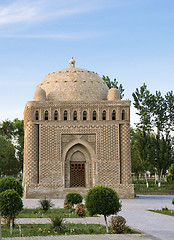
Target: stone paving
x: 153, y: 225
x: 89, y: 237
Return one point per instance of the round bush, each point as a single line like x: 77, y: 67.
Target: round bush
x: 11, y: 183
x: 102, y: 200
x: 118, y: 224
x: 73, y: 198
x: 11, y: 204
x: 173, y: 201
x: 170, y: 178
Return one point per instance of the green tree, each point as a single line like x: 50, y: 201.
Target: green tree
x: 9, y: 164
x: 171, y: 169
x: 141, y: 152
x: 11, y: 183
x: 14, y: 131
x: 136, y: 164
x: 144, y: 102
x: 163, y: 155
x: 11, y: 204
x: 19, y: 139
x: 102, y: 200
x: 156, y: 114
x: 114, y: 84
x: 7, y: 129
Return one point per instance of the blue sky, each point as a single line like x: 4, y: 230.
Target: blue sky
x: 131, y: 40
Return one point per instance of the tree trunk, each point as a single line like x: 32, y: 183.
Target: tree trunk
x: 107, y: 230
x: 147, y: 184
x: 156, y: 178
x: 137, y: 177
x: 159, y: 183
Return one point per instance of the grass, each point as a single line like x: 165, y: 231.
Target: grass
x: 38, y: 213
x: 140, y: 184
x: 46, y: 230
x: 166, y: 212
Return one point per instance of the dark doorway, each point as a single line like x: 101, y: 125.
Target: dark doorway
x: 77, y: 174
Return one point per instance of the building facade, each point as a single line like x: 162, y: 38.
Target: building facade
x: 77, y: 135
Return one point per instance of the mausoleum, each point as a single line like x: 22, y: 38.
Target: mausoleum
x: 77, y: 135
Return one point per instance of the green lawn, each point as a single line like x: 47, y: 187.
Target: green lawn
x: 45, y: 230
x: 166, y: 212
x: 38, y: 213
x: 140, y: 184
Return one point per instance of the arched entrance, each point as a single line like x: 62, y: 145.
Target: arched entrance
x: 78, y: 167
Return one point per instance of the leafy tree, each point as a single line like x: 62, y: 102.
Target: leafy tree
x: 171, y: 169
x: 19, y: 139
x: 114, y: 84
x: 156, y: 113
x: 14, y: 131
x: 11, y: 183
x: 7, y: 129
x: 102, y: 200
x: 141, y: 152
x: 136, y: 164
x: 163, y: 154
x: 11, y: 204
x: 9, y: 165
x: 143, y: 102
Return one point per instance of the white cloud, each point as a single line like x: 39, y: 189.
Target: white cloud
x: 22, y: 11
x: 68, y: 36
x: 17, y: 12
x: 21, y: 16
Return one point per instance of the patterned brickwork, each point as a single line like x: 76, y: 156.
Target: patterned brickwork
x: 108, y: 143
x: 50, y: 161
x: 49, y: 147
x: 31, y: 161
x: 76, y: 106
x: 53, y: 139
x: 108, y: 174
x: 125, y: 156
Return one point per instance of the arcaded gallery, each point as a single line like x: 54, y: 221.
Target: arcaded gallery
x: 77, y: 135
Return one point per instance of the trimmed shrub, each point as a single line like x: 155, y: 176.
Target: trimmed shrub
x: 102, y: 200
x: 67, y: 205
x: 45, y: 204
x: 80, y: 210
x: 170, y: 178
x: 171, y: 169
x: 11, y: 183
x: 165, y: 209
x: 173, y: 201
x: 118, y: 224
x: 11, y: 204
x: 73, y: 198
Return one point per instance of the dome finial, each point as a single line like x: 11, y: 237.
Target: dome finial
x: 72, y: 63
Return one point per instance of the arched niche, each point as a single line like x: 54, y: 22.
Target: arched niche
x: 80, y: 154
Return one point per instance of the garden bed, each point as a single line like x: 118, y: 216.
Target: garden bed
x: 38, y: 213
x: 169, y: 212
x: 46, y: 230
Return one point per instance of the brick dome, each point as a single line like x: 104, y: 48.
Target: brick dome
x: 74, y: 84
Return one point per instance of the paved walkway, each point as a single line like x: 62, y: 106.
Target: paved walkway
x: 155, y: 226
x: 88, y: 237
